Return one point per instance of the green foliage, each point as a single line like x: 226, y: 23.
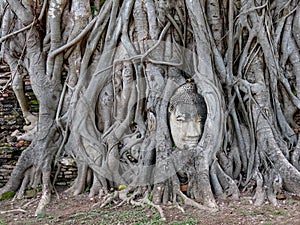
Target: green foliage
x: 291, y: 201
x: 94, y: 10
x: 2, y: 221
x: 101, y: 3
x: 132, y: 216
x: 79, y: 214
x: 150, y: 197
x: 33, y: 102
x: 7, y: 195
x: 43, y: 219
x: 188, y: 220
x: 39, y: 187
x: 87, y: 189
x: 279, y: 212
x: 275, y: 211
x: 42, y: 215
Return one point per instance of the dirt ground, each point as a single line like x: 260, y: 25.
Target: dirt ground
x: 82, y: 210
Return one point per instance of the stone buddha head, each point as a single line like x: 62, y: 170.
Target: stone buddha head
x: 187, y: 114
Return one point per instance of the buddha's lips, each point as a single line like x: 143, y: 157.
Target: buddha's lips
x: 190, y: 144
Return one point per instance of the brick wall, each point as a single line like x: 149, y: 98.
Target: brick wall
x: 11, y: 120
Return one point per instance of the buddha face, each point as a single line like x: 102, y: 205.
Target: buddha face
x: 185, y: 125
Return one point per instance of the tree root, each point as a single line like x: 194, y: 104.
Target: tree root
x: 123, y: 195
x: 127, y: 197
x: 29, y: 203
x: 45, y: 200
x: 28, y: 136
x: 228, y: 184
x: 13, y: 211
x: 295, y: 156
x: 22, y: 189
x: 80, y: 181
x: 118, y: 100
x: 19, y: 210
x: 195, y: 204
x: 260, y: 192
x: 145, y: 200
x: 267, y: 186
x: 110, y: 198
x: 46, y: 194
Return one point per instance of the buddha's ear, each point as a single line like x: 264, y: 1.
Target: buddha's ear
x: 171, y: 108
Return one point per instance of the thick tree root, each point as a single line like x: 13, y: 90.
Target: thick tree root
x: 195, y: 204
x: 146, y: 201
x: 259, y: 192
x: 19, y: 210
x: 132, y: 198
x: 45, y: 200
x: 46, y: 194
x: 13, y: 211
x: 115, y: 101
x: 24, y: 184
x: 267, y: 186
x: 110, y: 198
x: 126, y: 198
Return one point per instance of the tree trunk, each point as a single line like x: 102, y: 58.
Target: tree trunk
x: 105, y: 73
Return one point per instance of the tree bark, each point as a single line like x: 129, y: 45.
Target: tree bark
x: 104, y: 74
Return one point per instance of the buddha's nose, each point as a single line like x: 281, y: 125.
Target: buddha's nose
x: 193, y: 129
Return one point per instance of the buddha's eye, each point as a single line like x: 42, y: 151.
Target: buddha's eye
x: 180, y: 118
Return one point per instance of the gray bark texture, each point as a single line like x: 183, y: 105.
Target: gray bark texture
x: 104, y: 72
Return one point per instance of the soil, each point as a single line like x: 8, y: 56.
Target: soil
x: 67, y: 209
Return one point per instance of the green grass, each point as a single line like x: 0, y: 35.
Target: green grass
x: 129, y: 215
x: 2, y: 221
x: 291, y: 201
x: 276, y: 211
x: 246, y: 212
x: 187, y: 221
x: 134, y: 216
x: 279, y: 212
x: 44, y: 219
x: 7, y: 195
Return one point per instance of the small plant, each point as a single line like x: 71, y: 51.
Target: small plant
x: 70, y: 222
x: 87, y: 189
x: 101, y: 2
x: 150, y: 197
x: 41, y: 215
x: 108, y: 206
x: 2, y: 222
x: 187, y: 221
x: 94, y: 10
x: 268, y: 223
x: 7, y: 195
x: 190, y: 221
x: 279, y: 212
x: 39, y: 187
x: 78, y: 214
x: 54, y: 221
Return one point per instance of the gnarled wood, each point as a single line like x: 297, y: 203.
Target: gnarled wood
x: 104, y: 79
